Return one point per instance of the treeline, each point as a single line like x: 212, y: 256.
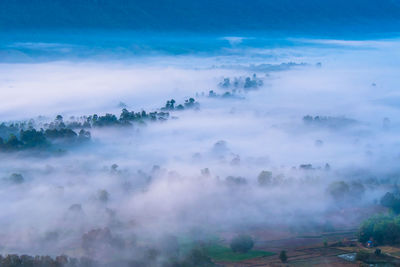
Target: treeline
x: 168, y: 252
x: 195, y: 257
x: 246, y: 83
x: 24, y: 135
x: 126, y: 118
x: 188, y: 104
x: 232, y: 94
x: 234, y: 87
x: 381, y: 230
x: 327, y: 121
x: 14, y: 260
x: 33, y: 138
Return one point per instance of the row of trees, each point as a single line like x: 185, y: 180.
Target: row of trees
x: 391, y: 201
x: 30, y: 136
x: 14, y: 260
x: 247, y: 83
x: 383, y: 229
x: 25, y: 135
x: 188, y: 104
x: 344, y: 191
x: 126, y: 118
x: 229, y: 94
x: 33, y: 138
x: 327, y: 121
x: 338, y: 190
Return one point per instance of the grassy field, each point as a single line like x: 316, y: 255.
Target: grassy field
x: 221, y: 253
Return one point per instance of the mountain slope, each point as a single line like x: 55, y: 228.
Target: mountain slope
x: 204, y: 15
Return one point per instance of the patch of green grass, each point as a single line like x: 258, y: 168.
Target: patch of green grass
x: 221, y: 253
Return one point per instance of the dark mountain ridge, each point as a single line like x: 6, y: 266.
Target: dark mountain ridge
x: 203, y: 16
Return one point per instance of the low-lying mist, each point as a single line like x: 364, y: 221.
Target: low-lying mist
x: 298, y: 138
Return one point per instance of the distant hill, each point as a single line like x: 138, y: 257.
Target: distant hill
x: 204, y: 15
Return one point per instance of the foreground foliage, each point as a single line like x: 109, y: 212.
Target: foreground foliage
x: 381, y: 229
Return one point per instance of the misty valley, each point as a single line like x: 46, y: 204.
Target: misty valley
x: 247, y: 151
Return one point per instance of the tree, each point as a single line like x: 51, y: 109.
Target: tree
x: 59, y: 118
x: 126, y: 115
x: 235, y: 180
x: 32, y: 138
x: 13, y: 143
x: 190, y: 103
x: 226, y: 83
x: 264, y: 178
x: 114, y: 167
x: 170, y: 105
x: 242, y: 243
x: 282, y: 256
x: 391, y: 202
x: 212, y: 94
x: 383, y: 229
x: 84, y: 135
x: 16, y: 178
x: 220, y: 147
x: 103, y: 196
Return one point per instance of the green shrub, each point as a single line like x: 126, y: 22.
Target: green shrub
x: 282, y: 256
x: 382, y: 229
